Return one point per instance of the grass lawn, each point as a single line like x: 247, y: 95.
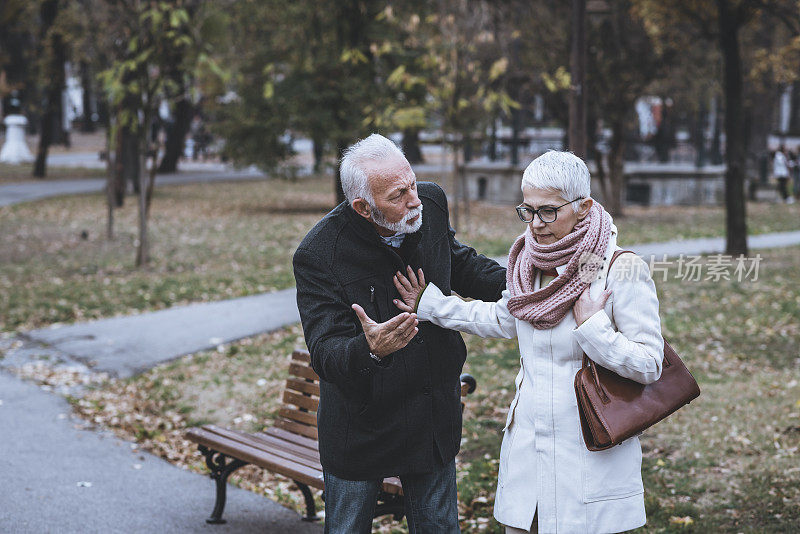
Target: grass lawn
x: 23, y: 173
x: 209, y: 242
x: 217, y: 241
x: 727, y: 463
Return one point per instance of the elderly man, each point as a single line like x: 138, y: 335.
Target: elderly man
x: 389, y: 394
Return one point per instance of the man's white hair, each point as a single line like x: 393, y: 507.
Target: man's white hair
x: 354, y: 178
x: 560, y: 172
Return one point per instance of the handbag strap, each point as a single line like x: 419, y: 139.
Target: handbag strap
x: 588, y: 362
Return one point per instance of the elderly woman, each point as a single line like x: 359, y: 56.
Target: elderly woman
x: 561, y: 301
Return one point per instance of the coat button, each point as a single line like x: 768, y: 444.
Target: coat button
x: 418, y: 339
x: 426, y: 390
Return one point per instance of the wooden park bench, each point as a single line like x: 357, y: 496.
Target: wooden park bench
x: 289, y: 447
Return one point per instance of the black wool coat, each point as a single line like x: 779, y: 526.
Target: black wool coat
x: 402, y: 415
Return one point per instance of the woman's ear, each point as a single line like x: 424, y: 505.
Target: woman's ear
x: 361, y: 207
x: 586, y: 206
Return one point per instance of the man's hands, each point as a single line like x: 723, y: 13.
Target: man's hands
x: 386, y: 338
x: 397, y: 332
x: 585, y: 307
x: 409, y: 288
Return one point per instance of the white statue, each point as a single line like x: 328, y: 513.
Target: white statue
x: 15, y: 151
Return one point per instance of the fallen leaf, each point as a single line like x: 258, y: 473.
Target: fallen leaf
x: 683, y: 521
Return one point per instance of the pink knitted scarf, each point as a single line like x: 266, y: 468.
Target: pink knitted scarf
x: 582, y: 250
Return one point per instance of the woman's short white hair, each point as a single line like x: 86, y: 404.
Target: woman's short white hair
x: 560, y: 172
x: 351, y: 168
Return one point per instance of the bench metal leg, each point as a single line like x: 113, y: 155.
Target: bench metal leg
x: 311, y: 507
x: 221, y: 468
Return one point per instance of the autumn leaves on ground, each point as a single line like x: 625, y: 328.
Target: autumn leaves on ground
x: 727, y: 463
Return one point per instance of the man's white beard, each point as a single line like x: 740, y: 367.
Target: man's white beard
x: 402, y: 226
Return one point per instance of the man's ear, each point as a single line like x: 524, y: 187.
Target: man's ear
x: 586, y: 206
x: 361, y: 207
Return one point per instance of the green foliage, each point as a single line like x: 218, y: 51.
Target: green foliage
x: 560, y: 80
x: 320, y: 89
x: 363, y: 66
x: 161, y: 40
x: 17, y: 30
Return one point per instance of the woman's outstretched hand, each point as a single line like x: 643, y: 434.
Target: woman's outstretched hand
x: 409, y: 286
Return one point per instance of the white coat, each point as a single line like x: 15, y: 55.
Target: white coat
x: 544, y: 463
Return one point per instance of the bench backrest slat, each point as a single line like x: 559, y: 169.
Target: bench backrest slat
x: 301, y: 356
x: 298, y: 413
x: 301, y: 385
x: 301, y: 370
x: 293, y: 414
x: 297, y: 428
x: 300, y: 400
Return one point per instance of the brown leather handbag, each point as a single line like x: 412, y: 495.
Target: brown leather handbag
x: 613, y: 409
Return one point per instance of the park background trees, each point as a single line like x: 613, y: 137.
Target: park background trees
x: 262, y: 74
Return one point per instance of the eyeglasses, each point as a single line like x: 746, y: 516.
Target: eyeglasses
x: 547, y: 214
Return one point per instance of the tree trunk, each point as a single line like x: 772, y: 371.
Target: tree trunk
x: 493, y: 141
x: 45, y: 139
x: 53, y: 49
x: 577, y: 101
x: 61, y: 133
x: 151, y: 147
x: 794, y: 111
x: 318, y: 147
x: 456, y: 208
x: 411, y: 146
x: 151, y: 184
x: 113, y: 198
x: 600, y: 173
x: 664, y: 138
x: 117, y: 183
x: 699, y: 134
x: 716, y: 139
x: 176, y: 135
x: 616, y: 170
x: 735, y: 148
x: 143, y: 250
x: 110, y: 209
x: 341, y: 146
x: 128, y: 158
x: 593, y: 152
x: 759, y: 116
x: 87, y: 123
x: 516, y: 126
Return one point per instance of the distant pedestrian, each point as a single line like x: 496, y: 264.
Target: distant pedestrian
x: 794, y: 169
x: 780, y: 170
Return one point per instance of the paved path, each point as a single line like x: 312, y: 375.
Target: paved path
x: 125, y: 346
x: 47, y: 456
x: 28, y: 191
x: 91, y: 160
x: 713, y: 245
